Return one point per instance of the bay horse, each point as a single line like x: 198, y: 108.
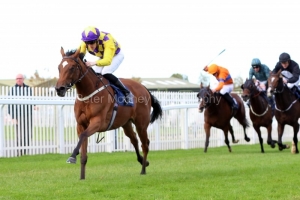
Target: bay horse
x: 260, y: 111
x: 218, y: 114
x: 287, y: 108
x: 95, y: 107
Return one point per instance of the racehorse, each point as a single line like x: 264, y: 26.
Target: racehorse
x: 218, y: 114
x: 260, y: 112
x: 287, y: 108
x: 96, y: 108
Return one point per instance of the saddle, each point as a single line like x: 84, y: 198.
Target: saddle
x: 120, y: 97
x: 296, y: 91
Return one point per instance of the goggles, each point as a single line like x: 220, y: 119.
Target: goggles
x: 91, y: 42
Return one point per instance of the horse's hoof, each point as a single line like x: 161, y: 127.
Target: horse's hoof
x: 143, y: 172
x: 273, y: 146
x: 247, y: 139
x: 235, y: 141
x: 71, y: 160
x: 147, y: 163
x: 229, y: 150
x: 287, y: 146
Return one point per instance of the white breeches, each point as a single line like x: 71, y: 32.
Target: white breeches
x: 226, y: 89
x: 115, y: 63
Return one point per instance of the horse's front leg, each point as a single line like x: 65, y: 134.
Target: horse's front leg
x: 257, y: 129
x: 270, y: 141
x: 82, y: 143
x: 207, y: 133
x: 280, y: 129
x: 295, y: 138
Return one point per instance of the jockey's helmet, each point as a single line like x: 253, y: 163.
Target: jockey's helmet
x: 212, y: 69
x: 256, y: 62
x: 284, y: 57
x: 90, y: 33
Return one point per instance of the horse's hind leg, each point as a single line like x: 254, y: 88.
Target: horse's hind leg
x: 257, y: 129
x: 226, y: 138
x: 241, y: 117
x: 232, y: 134
x: 128, y: 130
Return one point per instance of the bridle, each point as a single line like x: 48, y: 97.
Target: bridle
x: 68, y: 86
x: 253, y: 86
x: 207, y: 96
x: 275, y: 88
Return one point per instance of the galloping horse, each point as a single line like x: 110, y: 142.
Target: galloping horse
x: 287, y: 108
x: 218, y: 114
x: 260, y: 111
x: 96, y: 108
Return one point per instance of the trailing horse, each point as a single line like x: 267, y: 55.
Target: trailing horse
x: 287, y: 108
x: 218, y: 114
x: 260, y: 111
x: 98, y: 109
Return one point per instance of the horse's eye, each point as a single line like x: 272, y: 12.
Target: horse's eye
x: 72, y: 69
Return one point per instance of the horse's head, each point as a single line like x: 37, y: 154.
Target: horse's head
x: 71, y: 70
x: 249, y: 88
x: 204, y: 96
x: 275, y: 83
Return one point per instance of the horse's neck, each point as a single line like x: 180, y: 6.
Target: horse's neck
x: 216, y: 102
x: 89, y: 84
x: 285, y: 97
x: 258, y: 101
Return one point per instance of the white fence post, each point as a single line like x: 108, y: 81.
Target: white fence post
x: 2, y: 133
x: 60, y: 128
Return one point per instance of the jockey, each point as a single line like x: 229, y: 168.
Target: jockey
x: 290, y: 72
x: 104, y: 46
x: 225, y: 85
x: 261, y: 73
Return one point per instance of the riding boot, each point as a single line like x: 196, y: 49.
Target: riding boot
x: 230, y: 100
x: 296, y: 91
x: 272, y: 104
x: 114, y: 80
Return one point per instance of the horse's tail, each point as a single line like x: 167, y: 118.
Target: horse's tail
x: 157, y: 110
x: 245, y: 123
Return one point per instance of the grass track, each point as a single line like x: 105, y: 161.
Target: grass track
x: 179, y: 174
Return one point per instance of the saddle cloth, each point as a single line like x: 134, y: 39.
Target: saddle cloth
x: 120, y: 97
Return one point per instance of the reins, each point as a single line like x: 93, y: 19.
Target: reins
x: 251, y: 108
x: 279, y: 92
x: 104, y: 86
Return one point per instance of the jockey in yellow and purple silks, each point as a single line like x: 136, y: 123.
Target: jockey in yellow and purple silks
x: 104, y: 46
x: 225, y: 85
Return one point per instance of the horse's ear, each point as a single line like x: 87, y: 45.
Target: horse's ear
x: 279, y: 72
x: 201, y: 85
x: 62, y: 52
x: 242, y: 86
x: 208, y: 86
x: 76, y: 54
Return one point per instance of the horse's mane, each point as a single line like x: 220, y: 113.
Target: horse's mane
x: 72, y: 51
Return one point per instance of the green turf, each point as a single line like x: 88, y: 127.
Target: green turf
x: 179, y: 174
